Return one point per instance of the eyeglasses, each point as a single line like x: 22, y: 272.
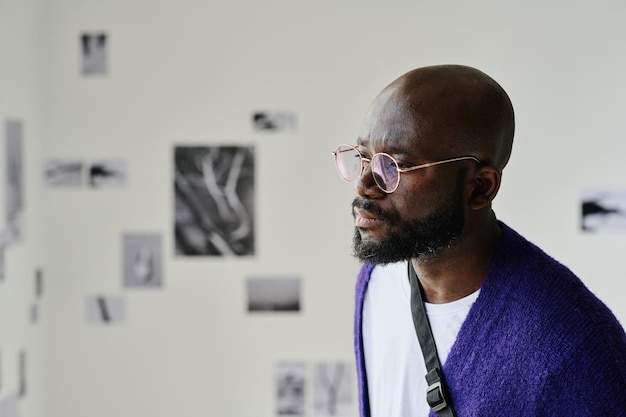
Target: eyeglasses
x: 351, y: 164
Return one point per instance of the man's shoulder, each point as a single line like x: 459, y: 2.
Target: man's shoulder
x: 526, y: 280
x: 517, y: 256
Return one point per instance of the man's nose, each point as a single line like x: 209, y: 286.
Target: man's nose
x: 365, y: 185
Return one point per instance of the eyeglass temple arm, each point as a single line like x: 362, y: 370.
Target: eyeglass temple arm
x: 430, y: 164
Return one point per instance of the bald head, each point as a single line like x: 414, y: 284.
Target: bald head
x: 453, y: 110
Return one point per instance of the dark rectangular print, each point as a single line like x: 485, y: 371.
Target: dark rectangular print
x: 214, y: 200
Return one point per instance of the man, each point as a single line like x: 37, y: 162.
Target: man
x: 517, y: 333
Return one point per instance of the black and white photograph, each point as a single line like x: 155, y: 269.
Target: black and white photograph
x: 22, y: 374
x: 63, y: 173
x: 14, y: 182
x: 603, y: 210
x: 108, y: 173
x: 214, y: 200
x: 143, y: 260
x: 105, y: 309
x: 38, y: 283
x: 333, y: 390
x: 34, y: 313
x: 10, y: 406
x: 274, y: 121
x: 290, y: 388
x: 276, y: 294
x: 94, y: 54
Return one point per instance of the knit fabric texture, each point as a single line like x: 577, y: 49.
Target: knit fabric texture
x: 535, y: 343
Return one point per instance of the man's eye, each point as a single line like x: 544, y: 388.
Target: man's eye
x: 391, y: 166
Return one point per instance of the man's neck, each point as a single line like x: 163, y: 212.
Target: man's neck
x: 460, y: 270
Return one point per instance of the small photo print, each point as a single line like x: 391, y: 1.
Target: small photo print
x: 214, y: 201
x: 94, y: 54
x: 22, y: 373
x: 34, y: 313
x: 105, y: 310
x: 603, y: 210
x: 14, y: 182
x: 108, y: 173
x: 290, y: 385
x: 63, y: 173
x: 273, y: 294
x: 332, y: 389
x: 143, y: 260
x: 38, y: 283
x: 274, y: 121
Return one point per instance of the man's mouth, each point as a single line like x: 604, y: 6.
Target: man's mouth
x: 367, y: 215
x: 365, y: 220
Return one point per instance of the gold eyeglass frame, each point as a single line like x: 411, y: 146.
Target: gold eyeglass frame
x: 365, y: 160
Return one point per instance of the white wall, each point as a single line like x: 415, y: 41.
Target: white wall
x: 191, y: 72
x: 21, y: 101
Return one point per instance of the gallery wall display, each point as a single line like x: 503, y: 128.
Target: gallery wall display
x: 14, y: 182
x: 94, y: 54
x: 273, y: 294
x: 109, y: 309
x: 603, y: 210
x: 274, y: 121
x: 142, y: 260
x: 333, y: 386
x: 214, y: 216
x: 101, y: 173
x: 214, y: 200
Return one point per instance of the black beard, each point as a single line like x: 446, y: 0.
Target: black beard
x: 415, y: 239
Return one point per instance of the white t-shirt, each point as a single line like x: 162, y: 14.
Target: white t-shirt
x: 393, y: 358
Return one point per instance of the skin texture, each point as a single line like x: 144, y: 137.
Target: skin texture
x: 431, y: 114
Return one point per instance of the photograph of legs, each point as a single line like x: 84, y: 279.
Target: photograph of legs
x: 214, y: 200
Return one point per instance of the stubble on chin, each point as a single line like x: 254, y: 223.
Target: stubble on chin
x: 377, y: 251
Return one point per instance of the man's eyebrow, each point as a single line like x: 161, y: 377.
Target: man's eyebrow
x: 392, y: 148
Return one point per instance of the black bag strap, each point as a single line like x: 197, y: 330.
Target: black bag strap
x: 437, y: 393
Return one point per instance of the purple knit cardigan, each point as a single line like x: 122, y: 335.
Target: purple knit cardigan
x: 536, y: 342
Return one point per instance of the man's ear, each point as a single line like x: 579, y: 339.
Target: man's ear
x: 486, y: 185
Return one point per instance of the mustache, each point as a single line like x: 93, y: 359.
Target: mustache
x: 370, y: 206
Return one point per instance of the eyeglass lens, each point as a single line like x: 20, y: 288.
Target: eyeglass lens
x: 384, y: 168
x: 385, y: 171
x: 349, y: 164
